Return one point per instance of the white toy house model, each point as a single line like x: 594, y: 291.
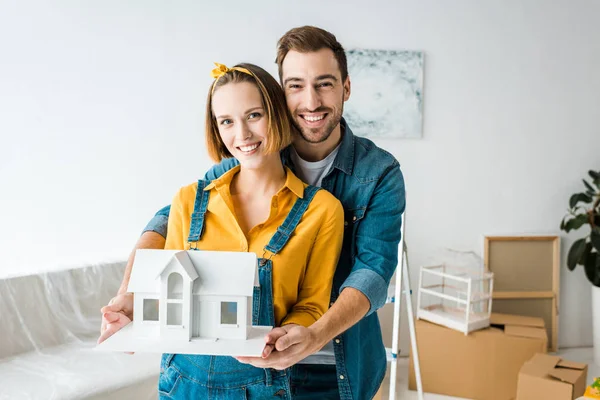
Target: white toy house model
x: 192, y: 302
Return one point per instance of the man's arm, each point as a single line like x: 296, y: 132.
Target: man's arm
x: 377, y: 239
x: 148, y: 240
x: 295, y: 342
x: 365, y: 289
x: 350, y: 307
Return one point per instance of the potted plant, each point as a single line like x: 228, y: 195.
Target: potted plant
x: 584, y: 210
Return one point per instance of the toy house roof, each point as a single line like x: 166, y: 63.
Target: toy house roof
x: 218, y: 273
x: 183, y: 259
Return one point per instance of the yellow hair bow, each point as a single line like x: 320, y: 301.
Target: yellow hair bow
x: 219, y: 71
x: 222, y: 69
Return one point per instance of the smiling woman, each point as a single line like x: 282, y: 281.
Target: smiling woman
x: 243, y: 122
x: 255, y: 89
x: 246, y: 209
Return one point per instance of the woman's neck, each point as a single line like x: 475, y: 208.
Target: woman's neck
x: 265, y: 180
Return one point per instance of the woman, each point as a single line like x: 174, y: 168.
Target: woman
x: 259, y: 206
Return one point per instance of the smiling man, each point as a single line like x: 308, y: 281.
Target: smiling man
x: 342, y: 354
x: 315, y: 95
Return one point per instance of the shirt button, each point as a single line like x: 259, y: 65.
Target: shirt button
x: 341, y: 376
x: 337, y: 341
x: 345, y: 223
x: 354, y: 218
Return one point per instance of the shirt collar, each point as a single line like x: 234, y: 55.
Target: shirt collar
x: 344, y: 161
x: 292, y: 182
x: 224, y: 179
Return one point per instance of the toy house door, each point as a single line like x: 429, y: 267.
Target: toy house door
x: 204, y: 313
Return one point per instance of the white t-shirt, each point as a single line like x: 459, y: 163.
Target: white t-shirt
x: 313, y: 173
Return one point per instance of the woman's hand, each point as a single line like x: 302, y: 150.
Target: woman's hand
x: 117, y: 314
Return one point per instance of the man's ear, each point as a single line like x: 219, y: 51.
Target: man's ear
x: 347, y: 88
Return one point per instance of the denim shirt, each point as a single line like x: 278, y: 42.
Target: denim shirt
x: 370, y: 185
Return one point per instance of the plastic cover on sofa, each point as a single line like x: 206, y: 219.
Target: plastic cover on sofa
x: 49, y: 324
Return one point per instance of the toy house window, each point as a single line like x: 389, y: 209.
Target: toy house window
x: 175, y: 299
x: 229, y: 313
x: 175, y: 286
x: 174, y: 311
x: 150, y: 310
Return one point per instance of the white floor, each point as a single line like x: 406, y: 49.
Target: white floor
x: 402, y: 393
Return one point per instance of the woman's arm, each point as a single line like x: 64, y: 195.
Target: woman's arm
x: 315, y: 292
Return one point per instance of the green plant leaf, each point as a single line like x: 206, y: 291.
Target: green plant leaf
x: 586, y: 253
x: 577, y: 197
x: 576, y: 223
x: 596, y: 177
x: 589, y: 187
x: 595, y: 239
x: 592, y: 268
x: 579, y: 209
x: 562, y: 224
x: 575, y: 253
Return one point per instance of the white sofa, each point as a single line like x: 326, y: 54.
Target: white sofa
x: 49, y: 324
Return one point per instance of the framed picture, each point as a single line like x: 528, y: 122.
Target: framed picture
x: 387, y: 93
x: 526, y: 278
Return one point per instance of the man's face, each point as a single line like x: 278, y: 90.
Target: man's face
x: 314, y: 92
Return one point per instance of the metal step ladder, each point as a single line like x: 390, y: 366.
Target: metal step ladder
x: 395, y: 297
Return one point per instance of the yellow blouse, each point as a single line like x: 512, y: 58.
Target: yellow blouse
x: 302, y: 271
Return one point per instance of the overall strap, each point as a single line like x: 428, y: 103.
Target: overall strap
x: 200, y: 205
x: 281, y: 237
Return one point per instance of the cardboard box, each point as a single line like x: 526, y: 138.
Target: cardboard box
x: 551, y: 378
x: 483, y: 365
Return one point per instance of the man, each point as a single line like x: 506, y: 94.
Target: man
x: 342, y: 354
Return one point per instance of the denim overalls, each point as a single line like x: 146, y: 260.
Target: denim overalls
x: 184, y: 376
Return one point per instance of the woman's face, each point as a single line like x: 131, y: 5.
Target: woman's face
x: 243, y: 122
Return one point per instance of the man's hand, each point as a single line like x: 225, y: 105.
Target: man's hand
x: 292, y: 343
x: 117, y: 314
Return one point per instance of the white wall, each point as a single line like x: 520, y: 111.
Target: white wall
x: 101, y: 113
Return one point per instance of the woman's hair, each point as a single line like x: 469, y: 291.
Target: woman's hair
x: 279, y: 134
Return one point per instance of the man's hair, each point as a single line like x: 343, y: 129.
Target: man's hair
x: 307, y: 39
x: 279, y: 133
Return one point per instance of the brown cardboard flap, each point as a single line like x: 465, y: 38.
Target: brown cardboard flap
x: 571, y: 365
x: 565, y: 374
x: 518, y: 320
x: 525, y: 331
x: 540, y: 364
